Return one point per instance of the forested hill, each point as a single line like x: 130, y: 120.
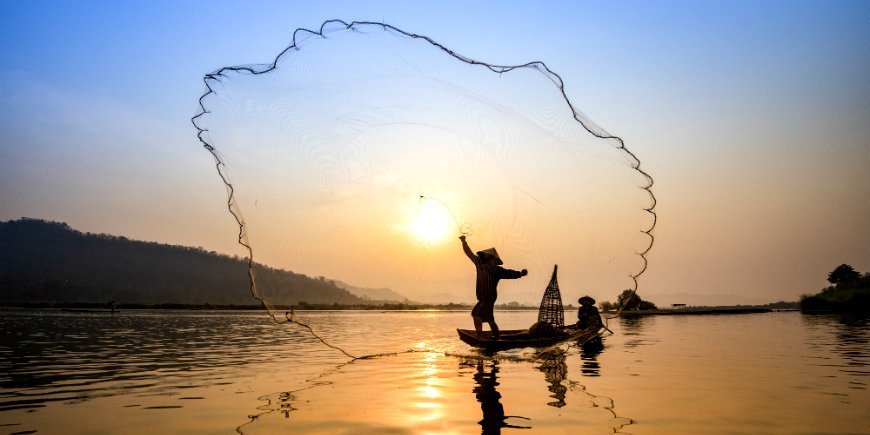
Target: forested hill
x: 44, y: 261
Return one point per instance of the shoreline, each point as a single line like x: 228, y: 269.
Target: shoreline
x: 97, y: 307
x: 701, y: 311
x: 102, y: 308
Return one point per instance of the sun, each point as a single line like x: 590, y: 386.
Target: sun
x: 432, y: 223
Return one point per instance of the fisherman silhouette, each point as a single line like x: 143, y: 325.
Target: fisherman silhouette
x: 489, y: 273
x: 588, y: 315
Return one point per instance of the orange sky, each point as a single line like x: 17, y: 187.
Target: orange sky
x: 753, y: 121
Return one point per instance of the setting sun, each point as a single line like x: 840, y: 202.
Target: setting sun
x: 432, y: 222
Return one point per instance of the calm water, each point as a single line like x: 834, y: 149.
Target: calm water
x: 218, y: 372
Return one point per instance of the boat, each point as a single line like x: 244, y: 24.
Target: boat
x: 550, y: 313
x: 89, y: 310
x: 519, y: 338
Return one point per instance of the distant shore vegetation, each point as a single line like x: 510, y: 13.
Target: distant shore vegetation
x: 49, y: 263
x: 628, y: 300
x: 303, y: 306
x: 850, y: 291
x: 45, y: 264
x: 633, y: 305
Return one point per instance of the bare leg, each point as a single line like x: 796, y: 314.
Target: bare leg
x: 494, y: 329
x: 478, y: 325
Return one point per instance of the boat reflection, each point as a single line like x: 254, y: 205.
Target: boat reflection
x: 494, y: 417
x: 589, y: 352
x: 555, y: 369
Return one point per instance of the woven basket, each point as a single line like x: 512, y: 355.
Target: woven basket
x: 551, y: 310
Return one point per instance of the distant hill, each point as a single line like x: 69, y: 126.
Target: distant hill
x: 373, y: 294
x: 42, y: 261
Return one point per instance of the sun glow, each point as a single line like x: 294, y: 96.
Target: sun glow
x: 432, y: 223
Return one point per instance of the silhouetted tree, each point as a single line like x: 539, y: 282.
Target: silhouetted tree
x: 630, y: 300
x: 850, y: 292
x: 844, y: 275
x: 647, y: 305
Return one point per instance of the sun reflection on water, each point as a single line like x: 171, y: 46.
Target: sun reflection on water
x: 428, y: 396
x: 227, y: 370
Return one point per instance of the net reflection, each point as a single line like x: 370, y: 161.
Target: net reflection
x: 494, y: 417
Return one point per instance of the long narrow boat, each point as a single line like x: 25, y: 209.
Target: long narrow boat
x: 89, y: 310
x: 517, y: 338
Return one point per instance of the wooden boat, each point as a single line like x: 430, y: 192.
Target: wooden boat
x: 550, y: 312
x: 518, y: 338
x: 89, y: 310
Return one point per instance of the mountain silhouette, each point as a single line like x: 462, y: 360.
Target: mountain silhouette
x: 49, y: 262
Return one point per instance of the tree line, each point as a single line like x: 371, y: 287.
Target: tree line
x: 46, y: 262
x: 850, y: 291
x: 629, y: 300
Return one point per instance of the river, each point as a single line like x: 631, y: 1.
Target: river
x: 213, y: 372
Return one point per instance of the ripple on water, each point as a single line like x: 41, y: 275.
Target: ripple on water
x: 212, y: 370
x: 429, y: 392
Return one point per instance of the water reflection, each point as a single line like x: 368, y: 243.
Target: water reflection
x: 63, y: 372
x: 589, y: 352
x: 556, y: 371
x: 850, y: 344
x: 280, y: 403
x: 554, y: 368
x: 633, y: 328
x: 61, y: 358
x: 494, y: 417
x: 425, y: 400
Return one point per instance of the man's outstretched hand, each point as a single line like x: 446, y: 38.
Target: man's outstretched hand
x: 524, y: 272
x: 462, y: 237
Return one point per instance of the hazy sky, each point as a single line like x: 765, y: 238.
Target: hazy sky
x: 753, y: 118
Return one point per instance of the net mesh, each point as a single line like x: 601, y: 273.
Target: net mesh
x: 356, y: 157
x: 551, y: 310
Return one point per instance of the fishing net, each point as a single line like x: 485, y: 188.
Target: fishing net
x: 358, y: 156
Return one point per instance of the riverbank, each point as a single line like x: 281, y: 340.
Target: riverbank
x: 698, y: 311
x: 398, y: 306
x: 834, y: 299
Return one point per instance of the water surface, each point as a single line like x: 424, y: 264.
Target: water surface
x: 222, y: 372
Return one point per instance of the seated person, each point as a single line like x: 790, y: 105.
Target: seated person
x: 587, y: 315
x: 543, y: 330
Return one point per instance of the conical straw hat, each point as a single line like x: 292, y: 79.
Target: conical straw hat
x: 492, y: 253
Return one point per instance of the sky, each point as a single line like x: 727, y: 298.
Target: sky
x: 753, y: 118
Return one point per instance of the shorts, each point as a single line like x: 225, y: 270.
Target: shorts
x: 483, y: 311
